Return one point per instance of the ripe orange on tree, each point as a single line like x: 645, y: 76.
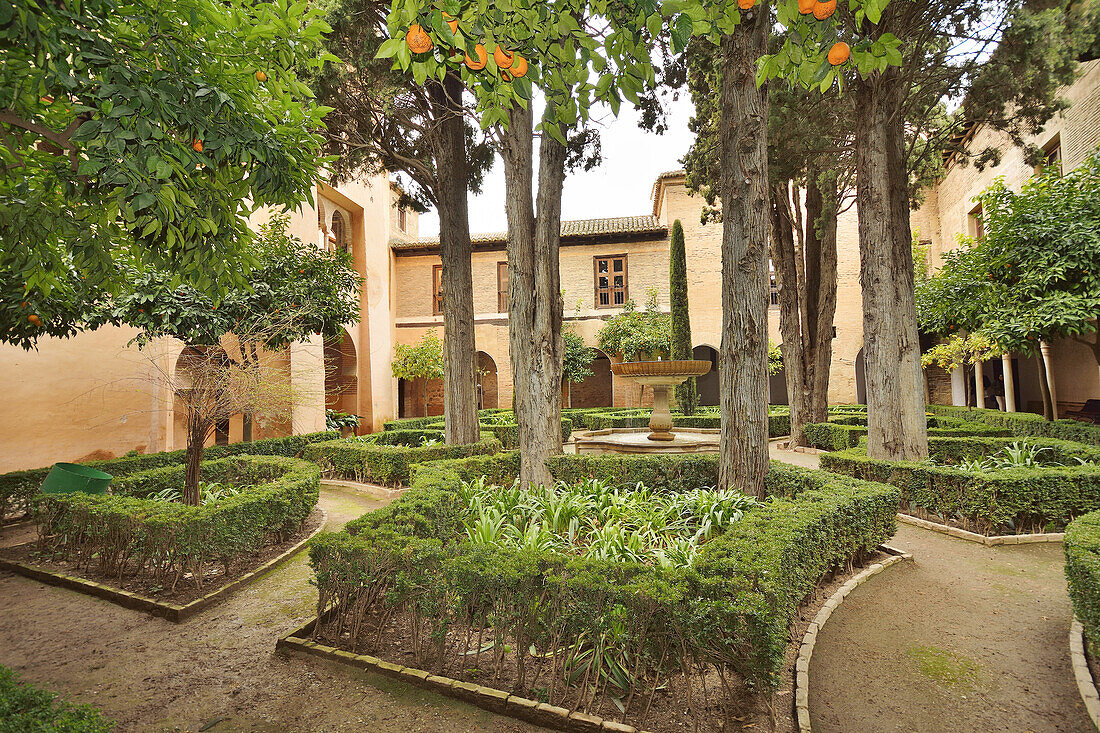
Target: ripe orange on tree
x: 418, y: 39
x: 519, y: 66
x: 746, y: 4
x: 824, y: 10
x: 503, y: 58
x: 34, y: 319
x: 839, y: 53
x: 806, y: 6
x: 196, y: 145
x: 451, y: 21
x: 482, y: 58
x: 261, y: 76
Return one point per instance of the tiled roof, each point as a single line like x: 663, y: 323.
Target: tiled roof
x: 578, y: 229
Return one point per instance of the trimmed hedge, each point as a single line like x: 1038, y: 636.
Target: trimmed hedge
x: 17, y: 487
x: 124, y: 532
x: 1082, y: 548
x: 733, y: 608
x: 779, y: 423
x: 508, y: 433
x: 388, y: 460
x: 1024, y: 424
x: 845, y: 432
x: 996, y: 501
x: 26, y: 708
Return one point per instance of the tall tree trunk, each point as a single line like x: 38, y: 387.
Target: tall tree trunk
x: 459, y: 349
x: 821, y: 282
x: 743, y: 358
x: 896, y: 425
x: 1044, y: 387
x: 535, y: 304
x: 197, y: 429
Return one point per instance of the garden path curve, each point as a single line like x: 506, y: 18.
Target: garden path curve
x: 217, y: 671
x: 963, y: 638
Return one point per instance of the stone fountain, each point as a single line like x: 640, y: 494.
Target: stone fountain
x: 662, y: 376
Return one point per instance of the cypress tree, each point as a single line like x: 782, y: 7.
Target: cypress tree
x: 686, y: 394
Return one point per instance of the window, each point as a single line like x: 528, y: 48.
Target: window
x: 338, y: 237
x: 502, y: 287
x: 611, y: 288
x: 402, y: 219
x: 1052, y: 155
x: 773, y: 286
x: 437, y: 288
x: 977, y: 227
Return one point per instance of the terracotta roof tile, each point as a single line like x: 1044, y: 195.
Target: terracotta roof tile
x: 577, y: 229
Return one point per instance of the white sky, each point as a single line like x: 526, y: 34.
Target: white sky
x: 621, y: 186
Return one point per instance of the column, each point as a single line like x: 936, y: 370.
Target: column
x: 1048, y: 367
x: 1010, y: 383
x: 979, y: 389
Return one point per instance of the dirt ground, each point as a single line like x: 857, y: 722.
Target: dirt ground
x: 218, y: 670
x: 964, y: 638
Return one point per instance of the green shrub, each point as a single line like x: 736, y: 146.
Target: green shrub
x: 25, y: 708
x: 17, y: 487
x: 996, y: 501
x: 1025, y: 424
x: 733, y: 608
x: 389, y: 460
x: 508, y: 432
x: 1082, y: 548
x: 779, y: 422
x: 846, y: 430
x: 125, y: 531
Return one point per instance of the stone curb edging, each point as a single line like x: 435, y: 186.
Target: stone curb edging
x: 372, y: 489
x: 1085, y: 684
x: 173, y: 612
x: 487, y: 698
x: 981, y: 539
x: 802, y: 665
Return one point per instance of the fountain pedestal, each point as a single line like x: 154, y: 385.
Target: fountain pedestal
x: 661, y: 376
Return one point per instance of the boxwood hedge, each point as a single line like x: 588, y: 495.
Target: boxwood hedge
x: 1024, y: 424
x: 507, y: 432
x: 389, y: 456
x: 1082, y: 548
x: 732, y: 609
x: 845, y: 431
x: 124, y: 532
x: 779, y: 423
x: 995, y: 501
x: 19, y: 486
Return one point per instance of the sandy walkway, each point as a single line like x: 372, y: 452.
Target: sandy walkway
x: 152, y: 675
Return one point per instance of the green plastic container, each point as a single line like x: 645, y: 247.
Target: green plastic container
x: 68, y: 478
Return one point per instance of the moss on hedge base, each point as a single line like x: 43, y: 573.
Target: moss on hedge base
x: 17, y: 487
x: 732, y: 608
x: 1001, y: 501
x: 388, y: 461
x: 1082, y: 548
x: 124, y: 531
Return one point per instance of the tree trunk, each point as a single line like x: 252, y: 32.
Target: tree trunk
x: 1048, y: 371
x: 196, y: 445
x: 743, y: 358
x: 1044, y: 388
x: 459, y: 350
x: 535, y: 303
x: 896, y: 425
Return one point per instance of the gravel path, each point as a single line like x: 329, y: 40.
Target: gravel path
x: 217, y: 671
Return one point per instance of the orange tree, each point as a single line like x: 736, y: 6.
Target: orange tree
x: 578, y: 53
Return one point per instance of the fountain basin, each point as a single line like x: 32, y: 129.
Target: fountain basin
x: 661, y: 376
x: 637, y: 440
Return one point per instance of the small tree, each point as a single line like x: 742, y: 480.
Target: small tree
x: 419, y: 361
x: 686, y: 394
x: 293, y: 291
x: 576, y: 360
x: 635, y: 334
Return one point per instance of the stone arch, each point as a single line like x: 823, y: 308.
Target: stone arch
x: 339, y: 236
x: 596, y: 390
x: 184, y: 371
x: 486, y: 382
x: 707, y: 385
x: 341, y: 374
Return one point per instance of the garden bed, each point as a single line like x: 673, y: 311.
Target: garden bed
x: 591, y: 632
x: 845, y: 430
x: 1024, y: 424
x: 165, y: 557
x: 386, y: 458
x: 987, y: 500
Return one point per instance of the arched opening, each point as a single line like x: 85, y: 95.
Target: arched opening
x: 707, y: 385
x: 486, y: 382
x: 193, y: 376
x: 341, y: 374
x: 339, y: 241
x: 595, y: 390
x: 861, y: 379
